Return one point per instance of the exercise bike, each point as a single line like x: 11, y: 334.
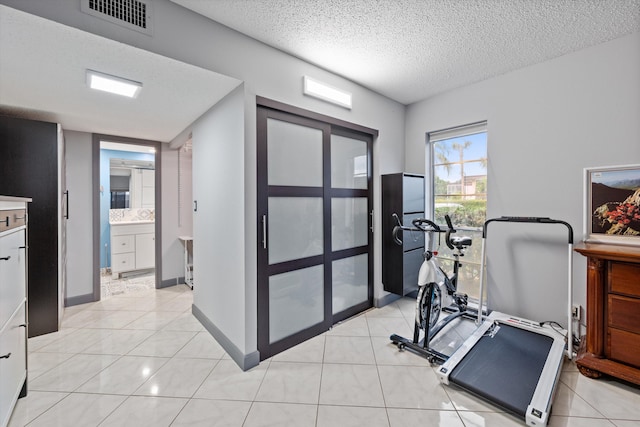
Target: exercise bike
x: 437, y: 292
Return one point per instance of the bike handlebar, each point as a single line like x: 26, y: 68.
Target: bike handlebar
x: 420, y: 223
x: 424, y: 225
x: 449, y: 231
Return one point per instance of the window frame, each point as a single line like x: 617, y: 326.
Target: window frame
x: 430, y: 184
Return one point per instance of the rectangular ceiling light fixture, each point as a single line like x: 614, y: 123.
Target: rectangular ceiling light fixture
x: 113, y: 84
x: 325, y: 92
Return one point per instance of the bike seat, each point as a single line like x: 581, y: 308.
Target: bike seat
x: 461, y: 242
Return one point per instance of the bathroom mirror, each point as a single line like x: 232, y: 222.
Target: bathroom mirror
x: 132, y: 183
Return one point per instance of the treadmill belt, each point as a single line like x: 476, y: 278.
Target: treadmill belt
x: 505, y: 368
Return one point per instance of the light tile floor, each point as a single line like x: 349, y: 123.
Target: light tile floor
x: 126, y: 283
x: 141, y: 359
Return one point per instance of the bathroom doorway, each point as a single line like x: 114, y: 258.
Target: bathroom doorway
x: 126, y: 216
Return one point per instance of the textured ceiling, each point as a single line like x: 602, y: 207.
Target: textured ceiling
x: 409, y: 50
x: 42, y: 76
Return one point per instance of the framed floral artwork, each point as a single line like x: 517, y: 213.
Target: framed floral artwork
x: 612, y: 204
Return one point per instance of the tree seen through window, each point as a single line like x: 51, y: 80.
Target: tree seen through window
x: 459, y: 183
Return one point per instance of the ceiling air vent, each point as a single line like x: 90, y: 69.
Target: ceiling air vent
x: 132, y: 14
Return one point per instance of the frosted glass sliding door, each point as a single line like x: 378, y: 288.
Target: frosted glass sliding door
x: 314, y: 228
x: 350, y: 222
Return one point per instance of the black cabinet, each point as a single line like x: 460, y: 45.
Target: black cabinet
x: 402, y: 194
x: 30, y: 166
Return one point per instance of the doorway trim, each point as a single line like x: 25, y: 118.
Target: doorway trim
x: 95, y: 157
x: 276, y: 105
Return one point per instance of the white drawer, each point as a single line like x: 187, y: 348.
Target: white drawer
x: 132, y: 228
x: 123, y: 262
x: 12, y: 273
x: 13, y: 369
x: 123, y: 244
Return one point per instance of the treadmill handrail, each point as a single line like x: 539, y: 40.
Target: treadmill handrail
x: 529, y: 219
x: 538, y: 220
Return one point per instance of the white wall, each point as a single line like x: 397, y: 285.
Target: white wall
x: 545, y: 124
x: 218, y: 227
x: 177, y: 217
x: 78, y: 158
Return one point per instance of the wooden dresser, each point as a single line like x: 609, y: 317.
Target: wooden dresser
x: 612, y: 344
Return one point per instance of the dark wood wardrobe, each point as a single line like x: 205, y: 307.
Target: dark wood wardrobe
x: 32, y: 165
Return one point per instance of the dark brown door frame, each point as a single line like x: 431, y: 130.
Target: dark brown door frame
x: 272, y: 109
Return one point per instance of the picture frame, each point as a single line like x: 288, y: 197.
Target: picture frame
x: 612, y: 205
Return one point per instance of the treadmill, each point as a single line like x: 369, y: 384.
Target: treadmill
x: 511, y: 362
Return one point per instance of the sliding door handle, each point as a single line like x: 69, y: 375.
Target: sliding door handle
x: 264, y: 231
x: 66, y: 215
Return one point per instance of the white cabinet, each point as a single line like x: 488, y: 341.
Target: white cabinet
x: 143, y: 188
x: 133, y: 247
x: 145, y: 250
x: 13, y: 316
x: 148, y: 188
x: 12, y: 272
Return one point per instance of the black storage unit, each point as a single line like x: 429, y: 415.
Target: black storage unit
x: 29, y: 168
x: 402, y: 194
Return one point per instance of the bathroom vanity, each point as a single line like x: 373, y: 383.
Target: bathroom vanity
x: 132, y: 246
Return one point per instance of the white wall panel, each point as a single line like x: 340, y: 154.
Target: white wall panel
x: 80, y: 223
